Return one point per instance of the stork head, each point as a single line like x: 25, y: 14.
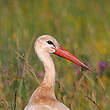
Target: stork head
x: 48, y: 44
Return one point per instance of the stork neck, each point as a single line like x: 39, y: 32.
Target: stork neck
x: 49, y: 78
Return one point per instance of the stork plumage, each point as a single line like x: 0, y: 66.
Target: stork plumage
x: 43, y: 98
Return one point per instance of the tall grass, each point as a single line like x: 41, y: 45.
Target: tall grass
x: 80, y: 26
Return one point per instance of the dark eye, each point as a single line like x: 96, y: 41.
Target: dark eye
x: 50, y: 42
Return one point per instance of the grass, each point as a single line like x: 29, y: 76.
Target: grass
x: 82, y: 27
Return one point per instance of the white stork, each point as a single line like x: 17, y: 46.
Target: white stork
x: 43, y: 98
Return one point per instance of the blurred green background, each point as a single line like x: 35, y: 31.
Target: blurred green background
x: 81, y: 26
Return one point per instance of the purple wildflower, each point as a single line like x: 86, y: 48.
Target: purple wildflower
x: 77, y: 69
x: 102, y: 66
x: 39, y: 75
x: 20, y: 73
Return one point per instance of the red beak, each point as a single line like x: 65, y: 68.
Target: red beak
x: 67, y: 55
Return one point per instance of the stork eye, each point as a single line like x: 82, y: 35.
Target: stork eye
x: 50, y: 42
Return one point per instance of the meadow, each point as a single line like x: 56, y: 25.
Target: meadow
x: 80, y: 26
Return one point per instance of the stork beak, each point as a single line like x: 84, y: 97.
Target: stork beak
x: 67, y: 55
